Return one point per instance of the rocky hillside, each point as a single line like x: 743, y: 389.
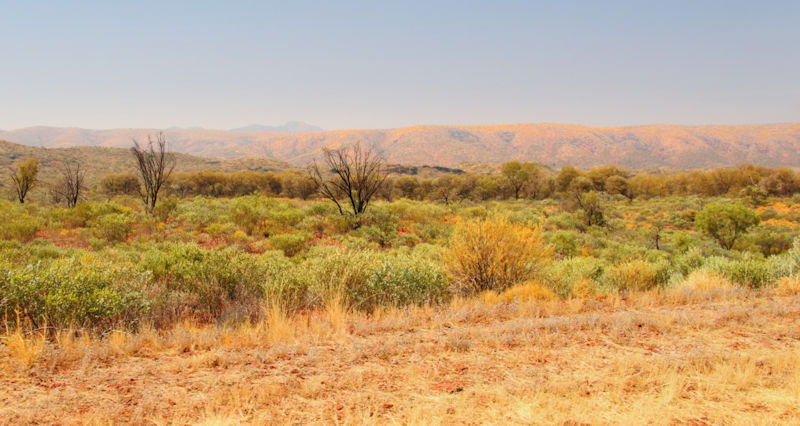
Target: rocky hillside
x: 551, y: 144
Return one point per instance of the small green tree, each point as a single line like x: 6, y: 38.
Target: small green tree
x: 519, y: 175
x: 25, y: 178
x: 585, y: 199
x: 565, y: 177
x: 619, y: 185
x: 726, y: 222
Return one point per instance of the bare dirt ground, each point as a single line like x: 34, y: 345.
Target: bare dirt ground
x: 725, y: 356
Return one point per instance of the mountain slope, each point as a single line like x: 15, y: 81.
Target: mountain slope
x: 551, y: 144
x: 288, y: 127
x: 101, y: 161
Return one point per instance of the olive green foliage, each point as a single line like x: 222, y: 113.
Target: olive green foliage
x: 366, y: 279
x: 104, y: 263
x: 290, y: 244
x: 113, y: 227
x: 637, y: 275
x: 726, y: 222
x: 204, y: 283
x: 120, y: 184
x: 16, y: 223
x: 74, y: 291
x: 521, y: 177
x: 25, y: 178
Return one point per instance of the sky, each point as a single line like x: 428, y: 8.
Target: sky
x: 387, y: 64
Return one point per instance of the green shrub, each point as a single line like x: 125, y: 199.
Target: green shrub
x: 637, y: 275
x: 82, y: 291
x: 561, y: 276
x: 770, y: 240
x: 164, y: 208
x: 290, y: 244
x: 402, y: 280
x: 749, y: 271
x: 285, y: 281
x: 753, y: 273
x: 688, y: 261
x: 768, y: 214
x: 205, y: 283
x: 366, y: 279
x: 291, y: 216
x: 250, y: 212
x: 20, y: 229
x: 84, y: 213
x: 565, y: 243
x: 113, y: 227
x: 726, y: 222
x: 566, y: 221
x: 374, y: 234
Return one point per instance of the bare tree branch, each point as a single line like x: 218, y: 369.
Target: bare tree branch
x: 70, y: 185
x: 352, y: 175
x: 155, y: 164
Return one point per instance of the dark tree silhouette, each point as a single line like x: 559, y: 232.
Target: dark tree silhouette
x: 155, y: 164
x: 70, y: 185
x: 351, y: 176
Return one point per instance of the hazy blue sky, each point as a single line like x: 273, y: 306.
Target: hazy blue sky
x: 351, y: 64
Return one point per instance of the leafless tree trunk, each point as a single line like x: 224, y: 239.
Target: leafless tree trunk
x: 155, y: 164
x: 70, y: 185
x: 351, y: 176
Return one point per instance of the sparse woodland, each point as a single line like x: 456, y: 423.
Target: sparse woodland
x: 478, y: 275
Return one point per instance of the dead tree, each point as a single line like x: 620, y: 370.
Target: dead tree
x: 155, y: 163
x: 69, y: 187
x: 351, y: 176
x: 25, y: 178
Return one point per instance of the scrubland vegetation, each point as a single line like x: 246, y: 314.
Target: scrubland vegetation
x: 527, y: 295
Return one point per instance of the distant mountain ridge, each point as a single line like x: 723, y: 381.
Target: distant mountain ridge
x: 674, y: 146
x: 288, y: 127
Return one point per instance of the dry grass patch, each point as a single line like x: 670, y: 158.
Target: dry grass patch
x: 725, y: 357
x: 788, y: 286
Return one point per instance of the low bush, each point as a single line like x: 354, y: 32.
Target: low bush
x: 565, y: 243
x: 290, y: 244
x: 527, y: 292
x: 365, y: 279
x: 494, y: 254
x: 637, y: 275
x: 85, y: 212
x: 204, y: 283
x: 81, y: 291
x: 114, y: 227
x: 748, y: 271
x: 562, y: 276
x: 21, y: 228
x: 771, y: 240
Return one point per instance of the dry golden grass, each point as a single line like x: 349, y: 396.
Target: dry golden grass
x: 705, y: 280
x: 722, y: 356
x: 788, y: 286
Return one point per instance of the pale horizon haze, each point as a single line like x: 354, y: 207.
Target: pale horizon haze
x: 352, y: 64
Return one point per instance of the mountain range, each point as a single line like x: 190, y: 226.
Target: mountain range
x: 650, y: 146
x: 288, y: 127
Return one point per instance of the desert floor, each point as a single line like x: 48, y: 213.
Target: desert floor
x: 692, y: 357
